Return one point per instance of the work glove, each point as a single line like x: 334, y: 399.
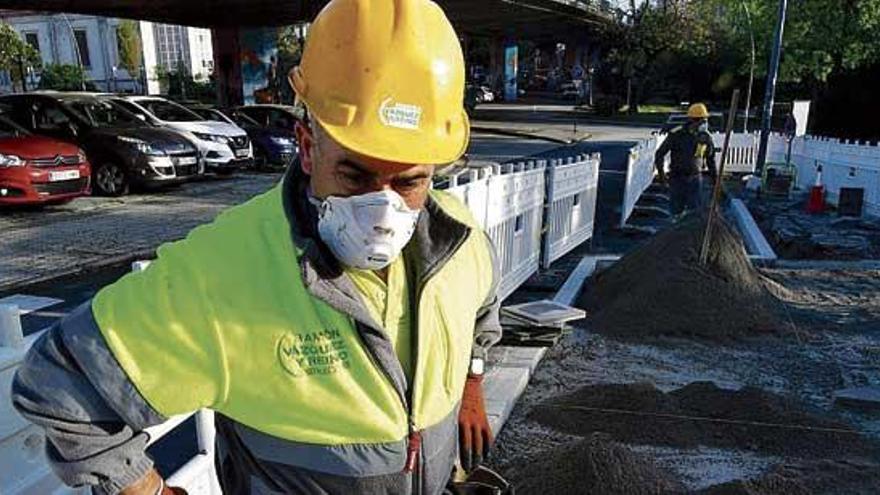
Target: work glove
x: 475, y: 435
x: 151, y: 484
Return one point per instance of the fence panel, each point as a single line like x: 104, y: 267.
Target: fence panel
x: 843, y: 164
x: 742, y: 152
x: 571, y: 205
x: 640, y: 172
x: 514, y: 221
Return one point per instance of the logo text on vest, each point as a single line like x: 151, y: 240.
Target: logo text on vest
x: 315, y: 353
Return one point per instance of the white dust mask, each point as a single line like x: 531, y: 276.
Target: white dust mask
x: 367, y: 231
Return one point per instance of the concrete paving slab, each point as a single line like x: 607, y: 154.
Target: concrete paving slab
x: 28, y: 304
x: 860, y: 397
x: 502, y: 386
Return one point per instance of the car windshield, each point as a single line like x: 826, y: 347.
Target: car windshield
x: 102, y: 114
x: 9, y: 128
x: 242, y: 119
x: 169, y: 111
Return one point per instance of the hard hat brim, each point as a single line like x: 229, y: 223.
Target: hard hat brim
x: 405, y: 148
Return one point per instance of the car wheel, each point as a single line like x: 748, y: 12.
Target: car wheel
x: 110, y: 180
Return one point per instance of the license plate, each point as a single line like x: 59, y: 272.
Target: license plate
x: 63, y: 175
x: 188, y: 160
x: 242, y: 153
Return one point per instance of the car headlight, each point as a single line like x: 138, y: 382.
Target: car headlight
x: 142, y: 146
x: 81, y: 157
x: 11, y: 161
x: 211, y: 137
x: 281, y: 141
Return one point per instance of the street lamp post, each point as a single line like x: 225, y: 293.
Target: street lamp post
x: 770, y: 92
x: 82, y: 81
x: 751, y: 66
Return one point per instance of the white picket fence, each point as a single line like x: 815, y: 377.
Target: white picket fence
x: 23, y: 467
x: 742, y: 153
x: 640, y: 173
x: 572, y: 190
x: 844, y: 164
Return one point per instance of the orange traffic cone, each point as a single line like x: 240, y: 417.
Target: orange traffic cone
x: 816, y: 204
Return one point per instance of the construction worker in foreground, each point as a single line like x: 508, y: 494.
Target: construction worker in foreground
x: 337, y: 324
x: 692, y: 150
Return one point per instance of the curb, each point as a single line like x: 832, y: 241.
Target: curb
x: 522, y: 134
x: 17, y: 285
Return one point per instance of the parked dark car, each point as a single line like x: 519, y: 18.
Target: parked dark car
x: 124, y: 150
x: 273, y: 146
x: 270, y: 115
x: 36, y: 170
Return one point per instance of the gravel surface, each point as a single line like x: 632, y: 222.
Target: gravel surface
x: 837, y: 345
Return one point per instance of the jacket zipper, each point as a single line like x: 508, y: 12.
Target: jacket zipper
x: 414, y: 441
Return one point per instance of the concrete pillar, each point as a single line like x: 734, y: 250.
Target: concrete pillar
x: 227, y: 66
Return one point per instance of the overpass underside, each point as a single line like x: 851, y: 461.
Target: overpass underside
x: 514, y: 18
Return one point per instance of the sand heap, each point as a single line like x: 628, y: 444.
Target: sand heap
x: 823, y: 477
x: 591, y: 466
x: 661, y: 289
x: 747, y: 419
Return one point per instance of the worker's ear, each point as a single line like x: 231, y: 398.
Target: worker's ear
x: 306, y: 140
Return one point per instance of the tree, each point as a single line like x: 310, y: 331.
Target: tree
x: 128, y: 40
x: 16, y: 55
x: 650, y: 38
x: 63, y: 77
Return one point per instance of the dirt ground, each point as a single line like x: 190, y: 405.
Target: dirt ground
x: 800, y: 443
x: 796, y: 234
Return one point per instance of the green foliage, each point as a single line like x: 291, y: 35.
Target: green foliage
x: 63, y: 77
x: 688, y: 48
x: 180, y: 85
x: 128, y: 39
x: 15, y: 54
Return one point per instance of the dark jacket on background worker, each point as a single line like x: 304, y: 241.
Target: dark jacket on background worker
x: 691, y: 150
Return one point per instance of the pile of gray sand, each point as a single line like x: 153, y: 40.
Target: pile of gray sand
x: 661, y: 288
x: 748, y: 419
x: 822, y: 477
x: 593, y: 465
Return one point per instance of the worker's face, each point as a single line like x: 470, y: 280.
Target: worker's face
x: 336, y: 171
x: 696, y: 123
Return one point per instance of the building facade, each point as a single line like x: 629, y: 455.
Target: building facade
x: 91, y: 41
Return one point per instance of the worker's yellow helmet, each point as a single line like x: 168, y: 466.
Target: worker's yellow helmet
x: 385, y: 79
x: 698, y: 111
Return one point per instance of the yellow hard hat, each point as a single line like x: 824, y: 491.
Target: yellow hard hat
x: 698, y: 111
x: 385, y: 79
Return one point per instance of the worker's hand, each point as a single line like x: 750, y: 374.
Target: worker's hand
x: 151, y: 484
x: 475, y: 435
x: 661, y: 179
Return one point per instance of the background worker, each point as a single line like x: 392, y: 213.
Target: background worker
x: 692, y: 150
x: 337, y: 324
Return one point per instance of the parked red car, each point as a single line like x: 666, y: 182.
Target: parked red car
x: 39, y: 170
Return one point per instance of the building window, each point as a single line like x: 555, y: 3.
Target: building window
x: 33, y: 40
x: 82, y: 43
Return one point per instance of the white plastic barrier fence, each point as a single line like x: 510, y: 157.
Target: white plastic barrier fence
x: 843, y: 163
x: 742, y: 153
x: 640, y: 172
x: 23, y: 467
x: 572, y: 187
x: 508, y: 201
